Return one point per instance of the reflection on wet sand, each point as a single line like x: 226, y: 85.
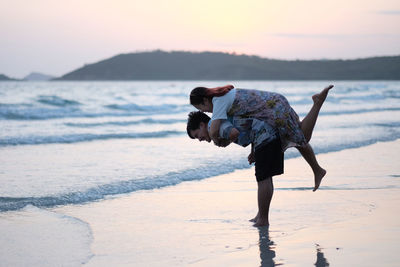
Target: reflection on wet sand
x: 267, y: 251
x: 267, y: 248
x: 321, y: 260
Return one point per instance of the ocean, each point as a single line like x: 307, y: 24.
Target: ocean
x: 67, y: 143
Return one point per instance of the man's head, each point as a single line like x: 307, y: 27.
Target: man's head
x: 197, y: 126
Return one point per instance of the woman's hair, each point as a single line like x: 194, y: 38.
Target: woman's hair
x: 198, y: 94
x: 194, y: 119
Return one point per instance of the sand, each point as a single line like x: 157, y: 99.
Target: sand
x: 352, y: 220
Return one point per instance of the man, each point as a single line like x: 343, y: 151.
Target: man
x: 266, y: 152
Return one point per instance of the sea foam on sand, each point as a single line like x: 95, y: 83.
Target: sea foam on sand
x: 37, y: 237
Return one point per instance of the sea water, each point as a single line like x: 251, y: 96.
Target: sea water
x: 76, y: 142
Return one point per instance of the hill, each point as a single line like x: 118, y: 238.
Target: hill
x: 36, y: 76
x: 160, y: 65
x: 5, y: 78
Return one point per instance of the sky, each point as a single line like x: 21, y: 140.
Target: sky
x: 56, y: 36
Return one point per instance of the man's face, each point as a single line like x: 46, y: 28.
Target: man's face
x: 201, y: 133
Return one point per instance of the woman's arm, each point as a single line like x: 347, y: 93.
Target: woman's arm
x: 234, y: 134
x: 214, y: 131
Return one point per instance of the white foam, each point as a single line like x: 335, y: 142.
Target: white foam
x: 37, y: 237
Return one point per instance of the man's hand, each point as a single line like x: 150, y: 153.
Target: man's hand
x: 223, y: 142
x: 251, y: 158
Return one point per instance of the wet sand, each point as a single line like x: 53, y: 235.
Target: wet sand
x: 352, y: 220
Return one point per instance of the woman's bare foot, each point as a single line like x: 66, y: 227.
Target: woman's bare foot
x: 261, y: 222
x: 318, y: 178
x: 320, y: 98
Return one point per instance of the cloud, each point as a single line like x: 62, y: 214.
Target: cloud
x: 305, y: 35
x: 331, y: 36
x: 388, y: 12
x: 233, y: 44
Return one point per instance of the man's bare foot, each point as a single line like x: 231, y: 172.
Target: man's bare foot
x: 318, y: 178
x: 254, y: 219
x: 320, y: 98
x: 261, y: 222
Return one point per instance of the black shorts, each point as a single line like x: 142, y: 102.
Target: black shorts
x: 269, y: 160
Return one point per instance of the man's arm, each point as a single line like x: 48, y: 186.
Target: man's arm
x: 251, y: 158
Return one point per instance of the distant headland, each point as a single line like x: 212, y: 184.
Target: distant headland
x: 5, y: 78
x: 182, y: 65
x: 34, y: 76
x: 179, y: 65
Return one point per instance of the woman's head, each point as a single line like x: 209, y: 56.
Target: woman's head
x: 201, y: 97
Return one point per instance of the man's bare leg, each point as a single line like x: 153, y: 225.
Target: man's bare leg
x: 308, y: 123
x: 265, y: 192
x: 308, y: 154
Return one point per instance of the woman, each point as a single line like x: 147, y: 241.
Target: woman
x: 270, y: 107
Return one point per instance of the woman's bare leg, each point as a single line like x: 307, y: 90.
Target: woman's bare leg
x: 308, y: 154
x: 308, y: 123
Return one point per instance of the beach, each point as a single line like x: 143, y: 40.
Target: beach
x: 205, y: 223
x: 104, y: 174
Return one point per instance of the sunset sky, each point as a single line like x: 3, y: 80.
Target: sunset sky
x: 56, y: 37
